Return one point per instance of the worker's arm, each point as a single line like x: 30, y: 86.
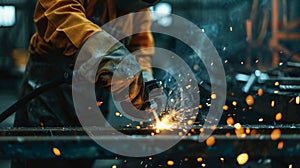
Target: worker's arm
x: 68, y: 29
x: 62, y: 25
x: 143, y: 42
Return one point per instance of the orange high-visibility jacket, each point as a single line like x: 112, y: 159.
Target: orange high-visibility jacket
x: 64, y: 25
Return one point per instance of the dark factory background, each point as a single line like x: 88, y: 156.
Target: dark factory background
x: 258, y: 42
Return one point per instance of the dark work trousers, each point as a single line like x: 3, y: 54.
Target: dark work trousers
x: 53, y: 108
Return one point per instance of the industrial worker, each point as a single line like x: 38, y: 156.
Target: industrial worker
x: 63, y: 27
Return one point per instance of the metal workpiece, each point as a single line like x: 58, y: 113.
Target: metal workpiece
x: 74, y: 142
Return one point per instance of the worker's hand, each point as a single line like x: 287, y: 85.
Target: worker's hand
x: 116, y: 68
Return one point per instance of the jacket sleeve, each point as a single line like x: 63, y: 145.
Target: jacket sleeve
x: 142, y: 23
x: 63, y: 24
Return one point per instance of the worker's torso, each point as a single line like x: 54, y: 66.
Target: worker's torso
x: 104, y: 10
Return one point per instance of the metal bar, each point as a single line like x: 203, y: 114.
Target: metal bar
x: 290, y: 87
x: 288, y: 36
x: 249, y: 83
x: 78, y: 131
x: 293, y: 64
x: 74, y: 143
x: 271, y: 80
x: 284, y: 80
x: 274, y: 39
x: 275, y: 17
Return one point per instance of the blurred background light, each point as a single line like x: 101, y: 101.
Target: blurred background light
x: 162, y: 14
x: 7, y: 16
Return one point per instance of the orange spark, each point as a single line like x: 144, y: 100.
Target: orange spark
x: 56, y: 151
x: 210, y: 141
x: 250, y: 100
x: 275, y: 135
x: 242, y: 158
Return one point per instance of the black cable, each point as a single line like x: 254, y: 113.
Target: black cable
x: 25, y: 99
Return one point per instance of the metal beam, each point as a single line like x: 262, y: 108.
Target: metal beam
x: 74, y: 143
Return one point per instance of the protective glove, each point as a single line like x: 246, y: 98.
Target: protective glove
x: 117, y: 69
x: 123, y: 37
